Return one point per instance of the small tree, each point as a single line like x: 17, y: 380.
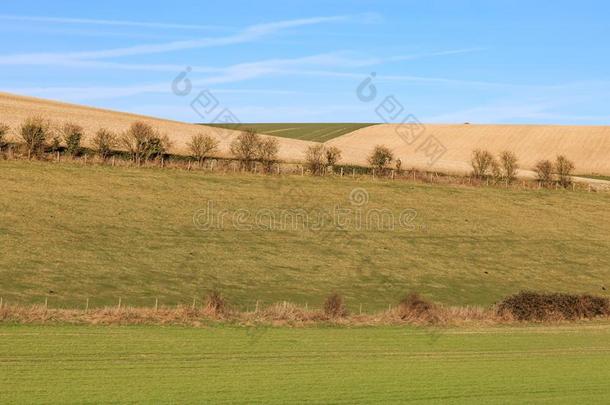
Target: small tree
x: 510, y: 165
x: 381, y: 157
x: 544, y: 171
x: 72, y: 135
x: 3, y: 132
x: 268, y: 149
x: 202, y: 146
x: 482, y: 163
x: 564, y: 169
x: 245, y: 148
x: 104, y: 142
x: 35, y: 132
x: 333, y: 155
x: 314, y: 159
x: 143, y: 142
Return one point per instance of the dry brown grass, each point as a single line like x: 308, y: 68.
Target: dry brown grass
x: 412, y: 310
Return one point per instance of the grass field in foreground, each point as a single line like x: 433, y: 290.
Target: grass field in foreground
x: 317, y: 132
x: 69, y: 364
x: 71, y: 232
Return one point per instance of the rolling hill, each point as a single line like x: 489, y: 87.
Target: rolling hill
x: 14, y: 109
x: 587, y: 146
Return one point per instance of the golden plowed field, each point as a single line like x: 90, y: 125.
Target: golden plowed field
x: 587, y: 146
x: 14, y: 109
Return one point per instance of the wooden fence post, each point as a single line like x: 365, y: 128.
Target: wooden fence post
x: 87, y: 306
x: 342, y: 172
x: 156, y: 304
x: 119, y: 306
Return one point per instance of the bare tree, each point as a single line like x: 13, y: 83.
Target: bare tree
x: 72, y: 135
x: 314, y: 159
x: 143, y: 142
x: 35, y: 131
x: 564, y: 168
x: 245, y: 148
x: 544, y: 171
x: 333, y: 155
x: 510, y: 165
x: 381, y: 157
x: 482, y: 163
x: 202, y: 146
x: 268, y: 149
x: 104, y: 142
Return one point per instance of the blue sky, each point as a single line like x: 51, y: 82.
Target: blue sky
x: 302, y: 61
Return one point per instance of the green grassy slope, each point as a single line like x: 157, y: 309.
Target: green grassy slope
x: 321, y: 132
x: 59, y: 364
x: 73, y: 232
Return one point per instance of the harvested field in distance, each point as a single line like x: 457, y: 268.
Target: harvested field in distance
x: 537, y: 364
x: 317, y: 132
x: 15, y: 109
x: 587, y: 146
x: 73, y: 232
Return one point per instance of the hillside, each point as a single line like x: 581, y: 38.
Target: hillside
x: 14, y: 109
x: 72, y: 232
x: 587, y: 146
x: 316, y: 132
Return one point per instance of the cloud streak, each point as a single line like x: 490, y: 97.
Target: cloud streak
x: 120, y: 23
x: 249, y: 34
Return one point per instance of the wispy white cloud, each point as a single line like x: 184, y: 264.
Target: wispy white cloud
x: 301, y: 66
x: 249, y: 34
x: 122, y: 23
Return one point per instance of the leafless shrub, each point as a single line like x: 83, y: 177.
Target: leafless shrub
x: 564, y: 168
x: 314, y: 159
x: 35, y: 132
x: 544, y: 171
x: 215, y: 304
x: 333, y: 156
x: 532, y: 306
x: 482, y: 163
x: 72, y: 135
x: 202, y: 146
x: 245, y: 148
x: 381, y: 157
x: 143, y: 142
x: 414, y: 307
x: 267, y: 152
x: 334, y: 306
x: 104, y: 142
x: 510, y: 165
